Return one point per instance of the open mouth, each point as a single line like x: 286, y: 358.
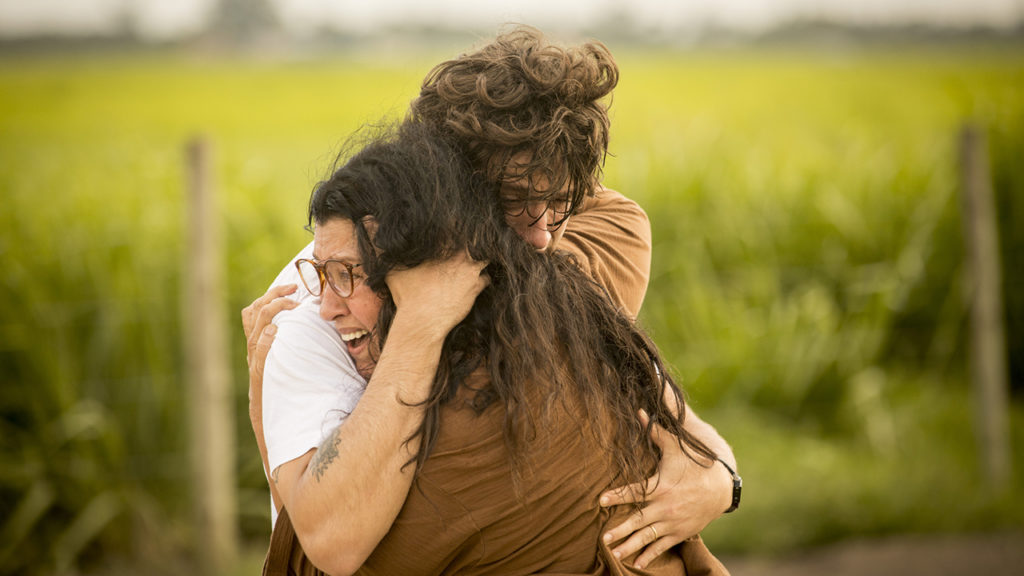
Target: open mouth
x: 355, y: 340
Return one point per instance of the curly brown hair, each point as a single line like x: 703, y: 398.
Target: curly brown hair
x: 521, y: 93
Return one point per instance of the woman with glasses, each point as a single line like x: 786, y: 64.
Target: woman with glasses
x: 501, y: 400
x: 538, y: 132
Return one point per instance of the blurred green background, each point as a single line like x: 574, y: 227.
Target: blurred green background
x: 806, y: 280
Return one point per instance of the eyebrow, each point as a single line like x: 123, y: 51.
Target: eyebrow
x: 345, y: 260
x: 532, y: 195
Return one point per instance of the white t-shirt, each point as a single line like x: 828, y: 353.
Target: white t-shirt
x: 310, y: 383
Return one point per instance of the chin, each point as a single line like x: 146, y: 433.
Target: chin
x: 366, y: 371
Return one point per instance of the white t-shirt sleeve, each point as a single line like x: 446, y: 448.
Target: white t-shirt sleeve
x: 310, y: 385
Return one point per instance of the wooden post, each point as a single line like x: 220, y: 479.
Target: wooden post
x: 987, y: 346
x: 212, y: 430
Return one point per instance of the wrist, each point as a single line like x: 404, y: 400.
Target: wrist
x: 414, y: 331
x: 409, y: 359
x: 735, y: 487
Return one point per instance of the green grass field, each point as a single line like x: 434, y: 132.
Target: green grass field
x: 806, y: 276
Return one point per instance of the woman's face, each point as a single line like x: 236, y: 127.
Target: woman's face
x: 532, y: 220
x: 353, y: 317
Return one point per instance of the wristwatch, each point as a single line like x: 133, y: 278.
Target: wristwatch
x: 737, y: 486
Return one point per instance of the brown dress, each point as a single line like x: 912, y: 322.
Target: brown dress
x: 467, y: 513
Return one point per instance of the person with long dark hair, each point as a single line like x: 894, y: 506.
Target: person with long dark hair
x: 531, y: 410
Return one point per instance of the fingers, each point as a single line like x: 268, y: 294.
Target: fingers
x: 262, y: 315
x: 656, y: 547
x: 630, y: 526
x: 263, y: 346
x: 642, y: 532
x: 630, y: 494
x: 257, y: 360
x: 443, y: 291
x: 251, y: 312
x: 267, y: 313
x: 260, y: 333
x: 642, y: 536
x: 475, y: 268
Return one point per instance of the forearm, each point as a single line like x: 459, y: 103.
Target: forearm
x: 348, y: 495
x: 261, y: 443
x: 700, y: 429
x: 256, y: 419
x: 715, y: 478
x: 707, y: 434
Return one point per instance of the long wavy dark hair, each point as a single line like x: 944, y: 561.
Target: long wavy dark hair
x: 522, y: 93
x: 541, y: 322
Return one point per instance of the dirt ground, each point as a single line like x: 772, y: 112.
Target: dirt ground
x: 953, y: 555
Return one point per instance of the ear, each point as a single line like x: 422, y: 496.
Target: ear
x: 369, y: 224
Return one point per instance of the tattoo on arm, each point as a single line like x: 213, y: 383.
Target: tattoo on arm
x: 275, y: 474
x: 325, y: 454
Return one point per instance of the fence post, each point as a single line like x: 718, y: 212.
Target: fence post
x: 987, y: 346
x: 211, y: 414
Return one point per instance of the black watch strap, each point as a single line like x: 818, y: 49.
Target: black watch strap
x: 737, y: 486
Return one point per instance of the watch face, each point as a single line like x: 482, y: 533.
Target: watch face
x: 737, y: 489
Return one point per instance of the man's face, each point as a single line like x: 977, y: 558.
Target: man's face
x: 354, y: 317
x: 537, y: 215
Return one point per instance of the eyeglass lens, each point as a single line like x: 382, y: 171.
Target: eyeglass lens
x: 310, y: 276
x: 338, y: 274
x: 537, y: 210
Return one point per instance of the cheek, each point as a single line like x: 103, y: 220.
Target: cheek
x: 365, y: 306
x: 556, y: 235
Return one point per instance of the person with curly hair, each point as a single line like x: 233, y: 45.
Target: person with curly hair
x: 528, y: 413
x: 530, y: 118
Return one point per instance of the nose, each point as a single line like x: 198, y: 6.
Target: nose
x: 532, y: 229
x: 332, y: 305
x: 537, y: 235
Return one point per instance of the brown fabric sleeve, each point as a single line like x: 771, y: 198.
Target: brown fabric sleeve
x: 611, y: 238
x: 285, y: 556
